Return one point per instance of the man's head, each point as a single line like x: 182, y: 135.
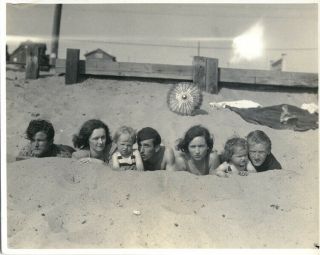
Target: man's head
x: 149, y: 141
x: 41, y: 134
x: 259, y: 147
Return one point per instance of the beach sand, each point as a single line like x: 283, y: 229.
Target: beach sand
x: 61, y: 203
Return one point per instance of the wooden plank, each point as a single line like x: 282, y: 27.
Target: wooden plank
x: 98, y: 67
x: 32, y: 62
x: 212, y: 75
x: 263, y: 77
x: 72, y: 66
x: 226, y: 75
x: 199, y: 72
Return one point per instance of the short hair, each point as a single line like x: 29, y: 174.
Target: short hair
x: 125, y: 130
x: 39, y: 125
x: 231, y: 144
x: 81, y: 140
x: 149, y: 133
x: 193, y: 132
x: 258, y: 136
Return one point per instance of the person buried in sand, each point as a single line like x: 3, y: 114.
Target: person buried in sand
x: 93, y: 143
x: 235, y: 156
x: 41, y: 136
x: 196, y: 152
x: 260, y: 152
x: 126, y: 158
x: 154, y: 155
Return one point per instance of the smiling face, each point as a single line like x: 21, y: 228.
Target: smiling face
x: 258, y: 153
x: 239, y: 158
x: 40, y: 144
x: 97, y: 140
x: 198, y: 148
x: 125, y: 145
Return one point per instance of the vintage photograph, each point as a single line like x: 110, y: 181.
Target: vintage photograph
x: 160, y: 126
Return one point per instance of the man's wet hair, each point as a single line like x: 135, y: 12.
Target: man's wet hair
x: 149, y: 133
x: 39, y: 125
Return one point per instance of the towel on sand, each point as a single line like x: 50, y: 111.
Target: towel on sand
x: 279, y: 117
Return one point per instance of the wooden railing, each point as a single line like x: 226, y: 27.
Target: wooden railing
x: 204, y: 72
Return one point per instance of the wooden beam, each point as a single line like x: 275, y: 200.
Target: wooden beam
x: 272, y: 78
x: 125, y: 69
x: 195, y: 73
x: 72, y: 66
x: 212, y: 75
x: 32, y: 62
x: 199, y: 72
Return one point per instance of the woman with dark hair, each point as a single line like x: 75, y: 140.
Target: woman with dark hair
x: 93, y: 142
x: 196, y: 152
x: 40, y: 133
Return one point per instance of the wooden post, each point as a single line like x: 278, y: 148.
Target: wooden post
x: 32, y: 62
x: 72, y: 66
x: 55, y: 34
x: 212, y: 75
x: 199, y: 72
x: 206, y: 74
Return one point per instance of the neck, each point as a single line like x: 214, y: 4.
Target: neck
x: 96, y: 154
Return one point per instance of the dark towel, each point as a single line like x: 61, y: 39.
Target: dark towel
x: 282, y: 116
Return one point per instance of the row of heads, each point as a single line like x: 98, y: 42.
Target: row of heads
x: 81, y: 140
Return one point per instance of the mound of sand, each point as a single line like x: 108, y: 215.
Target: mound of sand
x: 60, y: 203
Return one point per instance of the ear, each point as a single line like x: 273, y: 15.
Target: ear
x: 157, y: 148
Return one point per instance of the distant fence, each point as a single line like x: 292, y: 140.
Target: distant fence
x: 204, y: 72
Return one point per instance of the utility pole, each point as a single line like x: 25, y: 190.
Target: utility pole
x: 55, y: 34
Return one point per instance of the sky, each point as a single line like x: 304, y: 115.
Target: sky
x: 239, y: 35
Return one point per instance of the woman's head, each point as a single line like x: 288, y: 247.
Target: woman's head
x: 41, y: 135
x: 197, y: 142
x: 93, y: 133
x: 125, y: 137
x: 236, y: 151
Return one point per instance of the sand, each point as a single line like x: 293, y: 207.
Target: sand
x: 61, y: 203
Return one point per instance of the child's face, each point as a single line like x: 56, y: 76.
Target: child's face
x: 240, y: 158
x: 258, y: 153
x: 125, y: 145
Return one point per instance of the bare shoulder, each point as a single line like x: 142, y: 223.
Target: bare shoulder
x: 81, y: 154
x: 214, y: 160
x: 180, y: 162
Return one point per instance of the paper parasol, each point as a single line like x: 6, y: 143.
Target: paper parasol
x: 184, y: 98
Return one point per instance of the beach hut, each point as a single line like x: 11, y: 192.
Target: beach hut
x: 99, y: 54
x: 18, y: 56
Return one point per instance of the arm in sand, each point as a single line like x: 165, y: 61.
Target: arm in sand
x: 221, y: 170
x: 115, y: 162
x: 84, y: 157
x: 169, y: 159
x: 251, y: 168
x: 139, y: 162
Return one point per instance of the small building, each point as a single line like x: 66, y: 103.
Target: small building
x: 99, y: 54
x: 18, y: 56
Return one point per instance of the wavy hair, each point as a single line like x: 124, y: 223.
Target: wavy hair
x: 193, y: 132
x: 81, y: 140
x: 36, y: 126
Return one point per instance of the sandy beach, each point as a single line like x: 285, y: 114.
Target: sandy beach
x: 61, y: 203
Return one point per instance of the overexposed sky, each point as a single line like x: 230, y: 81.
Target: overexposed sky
x: 171, y: 33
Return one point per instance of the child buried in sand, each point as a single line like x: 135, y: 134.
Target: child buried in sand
x: 235, y: 157
x: 126, y: 158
